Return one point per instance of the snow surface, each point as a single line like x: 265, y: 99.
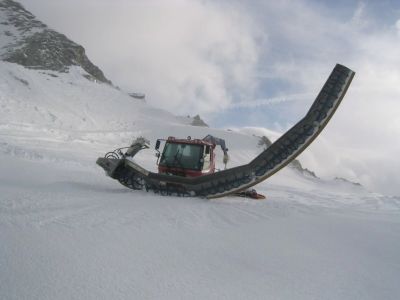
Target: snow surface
x: 69, y: 232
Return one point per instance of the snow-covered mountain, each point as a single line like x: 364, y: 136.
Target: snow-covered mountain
x: 69, y: 232
x: 30, y: 43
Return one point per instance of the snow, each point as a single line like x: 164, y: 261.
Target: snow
x: 12, y: 35
x: 69, y: 232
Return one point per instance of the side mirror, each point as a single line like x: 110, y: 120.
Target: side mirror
x: 158, y: 144
x: 207, y: 149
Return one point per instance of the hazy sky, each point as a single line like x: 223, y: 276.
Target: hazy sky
x: 256, y: 63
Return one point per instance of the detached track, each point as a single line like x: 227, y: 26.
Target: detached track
x: 233, y: 180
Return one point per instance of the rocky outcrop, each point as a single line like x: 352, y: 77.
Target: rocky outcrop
x: 197, y: 121
x: 265, y: 142
x: 295, y: 164
x: 139, y: 96
x: 340, y: 179
x: 17, y: 16
x: 33, y: 45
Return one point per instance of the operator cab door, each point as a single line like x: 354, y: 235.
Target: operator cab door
x: 207, y: 158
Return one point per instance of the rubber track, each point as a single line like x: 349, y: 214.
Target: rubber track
x: 270, y: 161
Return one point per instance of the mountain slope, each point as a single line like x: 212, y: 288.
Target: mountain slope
x: 31, y: 43
x: 69, y: 232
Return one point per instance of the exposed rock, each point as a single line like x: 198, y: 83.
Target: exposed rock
x: 33, y: 45
x: 295, y: 164
x: 23, y: 81
x: 17, y: 16
x: 139, y: 96
x: 264, y: 142
x: 197, y: 121
x: 347, y: 181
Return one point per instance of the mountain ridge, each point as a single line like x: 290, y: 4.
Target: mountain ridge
x: 32, y: 44
x: 29, y: 43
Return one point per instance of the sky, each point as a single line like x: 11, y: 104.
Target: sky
x: 256, y: 63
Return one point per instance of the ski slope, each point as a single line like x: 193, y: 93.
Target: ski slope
x: 69, y: 232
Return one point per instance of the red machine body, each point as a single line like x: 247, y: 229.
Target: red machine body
x: 186, y: 157
x: 194, y: 157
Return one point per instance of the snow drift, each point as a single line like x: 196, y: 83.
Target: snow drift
x: 68, y: 232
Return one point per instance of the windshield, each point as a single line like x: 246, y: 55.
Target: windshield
x: 185, y: 156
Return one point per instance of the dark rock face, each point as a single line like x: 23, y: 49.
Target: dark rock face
x: 295, y: 164
x: 36, y: 46
x: 50, y: 50
x: 139, y: 96
x: 264, y: 142
x: 197, y: 121
x: 19, y: 17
